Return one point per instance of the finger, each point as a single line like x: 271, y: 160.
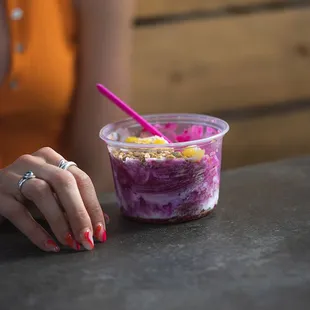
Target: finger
x: 87, y: 192
x: 65, y: 186
x: 9, y: 183
x: 20, y: 217
x: 49, y: 155
x: 40, y: 193
x: 91, y: 203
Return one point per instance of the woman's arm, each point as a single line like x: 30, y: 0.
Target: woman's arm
x: 103, y: 57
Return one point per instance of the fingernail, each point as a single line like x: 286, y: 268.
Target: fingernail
x: 100, y: 233
x: 52, y: 246
x: 87, y: 240
x: 106, y: 218
x: 72, y: 243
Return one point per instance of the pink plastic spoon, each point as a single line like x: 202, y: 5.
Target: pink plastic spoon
x: 128, y: 110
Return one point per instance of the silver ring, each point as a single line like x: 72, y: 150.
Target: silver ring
x: 27, y: 176
x: 65, y: 165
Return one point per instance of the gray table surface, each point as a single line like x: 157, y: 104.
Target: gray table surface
x: 253, y: 253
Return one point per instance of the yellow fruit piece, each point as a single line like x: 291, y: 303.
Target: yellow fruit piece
x: 150, y: 140
x: 131, y: 140
x: 193, y: 152
x: 159, y: 141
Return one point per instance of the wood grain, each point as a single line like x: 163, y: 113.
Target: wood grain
x: 222, y: 64
x: 164, y: 7
x: 267, y: 139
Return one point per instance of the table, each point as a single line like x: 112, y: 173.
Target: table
x: 253, y: 253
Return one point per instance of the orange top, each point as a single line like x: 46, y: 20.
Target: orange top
x: 36, y: 93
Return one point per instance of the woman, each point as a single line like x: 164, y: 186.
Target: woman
x: 52, y: 54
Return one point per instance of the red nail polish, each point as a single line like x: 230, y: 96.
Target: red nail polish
x: 72, y: 243
x: 100, y: 233
x: 104, y: 236
x: 52, y: 246
x: 87, y: 240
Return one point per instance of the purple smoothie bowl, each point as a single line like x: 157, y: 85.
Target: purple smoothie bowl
x: 157, y: 183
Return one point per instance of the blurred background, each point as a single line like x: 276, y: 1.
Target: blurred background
x: 247, y: 61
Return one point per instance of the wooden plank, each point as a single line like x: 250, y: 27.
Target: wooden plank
x: 164, y: 7
x: 222, y: 64
x: 267, y: 139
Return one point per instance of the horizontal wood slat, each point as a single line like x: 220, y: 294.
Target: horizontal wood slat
x: 267, y: 139
x: 166, y: 7
x: 222, y: 64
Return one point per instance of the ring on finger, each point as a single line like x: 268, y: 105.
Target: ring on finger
x: 27, y: 176
x: 65, y: 165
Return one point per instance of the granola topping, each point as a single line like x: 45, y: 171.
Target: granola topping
x: 192, y: 153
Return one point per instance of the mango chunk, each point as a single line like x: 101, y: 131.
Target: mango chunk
x: 193, y: 152
x: 148, y: 140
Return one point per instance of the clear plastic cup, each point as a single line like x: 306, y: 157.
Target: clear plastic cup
x: 167, y: 183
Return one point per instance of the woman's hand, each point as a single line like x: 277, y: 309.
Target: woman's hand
x: 66, y: 198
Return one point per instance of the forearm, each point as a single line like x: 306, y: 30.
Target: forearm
x: 109, y: 64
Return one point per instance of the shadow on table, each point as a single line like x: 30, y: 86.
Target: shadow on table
x: 15, y: 246
x: 121, y: 226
